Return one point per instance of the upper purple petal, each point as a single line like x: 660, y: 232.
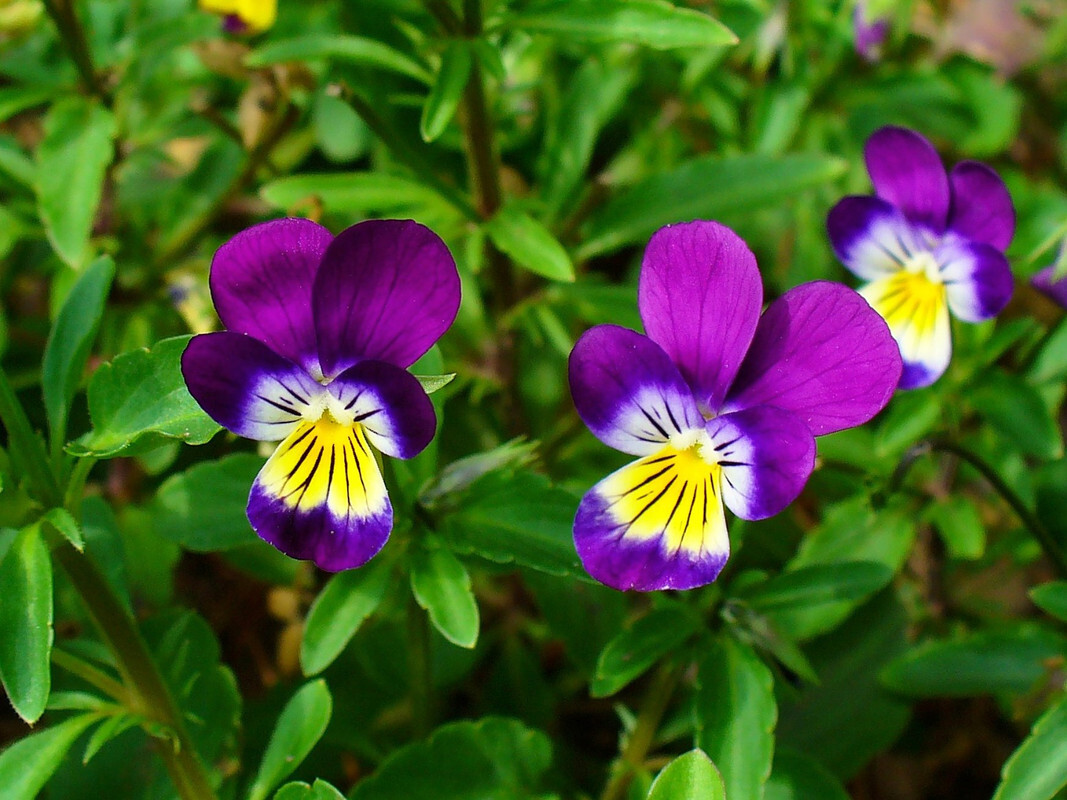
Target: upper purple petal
x: 248, y: 388
x: 907, y: 171
x: 700, y: 296
x: 981, y: 205
x: 389, y: 403
x: 386, y: 290
x: 628, y: 391
x: 822, y: 353
x: 261, y: 283
x: 766, y: 456
x: 977, y: 279
x: 1046, y: 281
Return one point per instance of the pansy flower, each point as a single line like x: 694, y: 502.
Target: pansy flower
x: 720, y: 404
x: 1051, y: 280
x: 869, y: 32
x: 928, y: 244
x: 320, y: 331
x: 243, y: 16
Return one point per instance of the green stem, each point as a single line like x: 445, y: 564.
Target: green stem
x: 70, y: 30
x: 26, y: 447
x: 419, y: 670
x: 644, y: 733
x: 1029, y: 519
x: 451, y: 23
x: 148, y: 693
x: 91, y: 675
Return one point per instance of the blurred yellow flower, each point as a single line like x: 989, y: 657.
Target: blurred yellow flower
x: 249, y: 16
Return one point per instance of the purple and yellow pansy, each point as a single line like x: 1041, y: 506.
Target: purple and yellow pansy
x: 928, y: 244
x: 720, y: 404
x: 320, y: 331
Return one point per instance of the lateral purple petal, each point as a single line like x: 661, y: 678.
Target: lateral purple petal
x: 700, y: 296
x: 246, y: 387
x: 386, y: 290
x: 1045, y: 281
x: 628, y: 392
x: 261, y: 283
x: 907, y: 171
x: 981, y: 205
x: 766, y: 456
x: 872, y: 237
x: 822, y: 353
x: 977, y: 279
x: 389, y: 403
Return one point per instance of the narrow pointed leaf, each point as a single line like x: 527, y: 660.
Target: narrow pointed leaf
x: 692, y: 776
x: 299, y: 728
x: 447, y: 91
x: 26, y: 624
x: 529, y: 243
x: 1038, y: 769
x: 442, y: 586
x: 70, y: 340
x: 635, y: 650
x: 349, y: 49
x: 26, y: 766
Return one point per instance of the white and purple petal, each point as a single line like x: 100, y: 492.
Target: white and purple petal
x: 261, y: 282
x: 248, y: 388
x: 386, y: 290
x: 907, y: 172
x: 389, y: 403
x: 766, y: 456
x: 981, y: 210
x: 700, y: 296
x: 657, y: 523
x: 916, y: 310
x: 823, y: 354
x: 321, y: 497
x: 1046, y: 282
x: 977, y: 278
x: 628, y: 392
x: 872, y: 237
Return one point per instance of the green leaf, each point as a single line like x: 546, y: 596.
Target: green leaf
x: 16, y: 164
x: 66, y: 525
x: 320, y: 790
x: 794, y: 776
x: 447, y: 90
x: 70, y: 340
x: 735, y: 713
x: 72, y: 160
x: 461, y: 473
x: 516, y: 519
x: 848, y: 696
x: 348, y: 49
x: 633, y: 651
x: 1013, y: 660
x: 653, y: 23
x: 741, y: 183
x: 299, y: 728
x: 341, y: 607
x: 348, y: 192
x: 1037, y: 770
x: 433, y: 383
x: 203, y: 508
x: 14, y: 99
x: 960, y: 525
x: 529, y: 243
x: 692, y: 776
x: 1015, y: 409
x: 442, y: 586
x: 1051, y: 598
x: 26, y: 766
x: 492, y: 759
x: 818, y: 584
x: 850, y: 531
x: 139, y: 401
x: 108, y: 730
x: 26, y: 624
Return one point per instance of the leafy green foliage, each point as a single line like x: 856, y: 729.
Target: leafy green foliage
x: 494, y: 759
x: 442, y: 585
x: 1038, y: 769
x: 139, y: 400
x: 633, y: 651
x: 26, y: 623
x: 27, y: 765
x: 530, y: 244
x: 300, y: 726
x: 689, y: 777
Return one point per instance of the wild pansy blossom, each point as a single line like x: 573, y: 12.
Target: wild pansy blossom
x: 928, y: 243
x: 243, y: 16
x: 720, y: 404
x: 869, y: 32
x: 320, y: 331
x: 1051, y: 281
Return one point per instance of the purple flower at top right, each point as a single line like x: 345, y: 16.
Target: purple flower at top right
x: 928, y: 244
